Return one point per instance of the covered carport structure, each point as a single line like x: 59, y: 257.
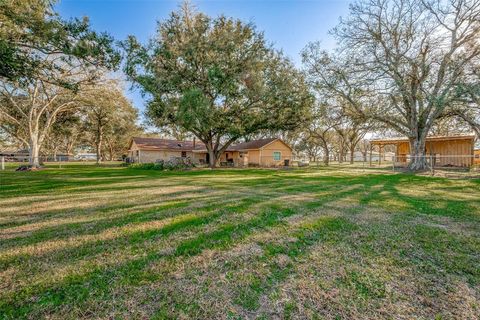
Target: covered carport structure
x: 441, y: 151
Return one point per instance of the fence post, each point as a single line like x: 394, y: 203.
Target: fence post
x: 431, y: 165
x: 371, y: 150
x: 3, y: 163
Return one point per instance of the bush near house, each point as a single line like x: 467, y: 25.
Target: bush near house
x: 173, y: 164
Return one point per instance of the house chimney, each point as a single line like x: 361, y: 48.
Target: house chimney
x: 193, y: 142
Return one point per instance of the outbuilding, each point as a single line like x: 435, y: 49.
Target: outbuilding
x: 442, y: 151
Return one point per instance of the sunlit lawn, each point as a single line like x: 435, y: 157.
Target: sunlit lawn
x: 339, y: 243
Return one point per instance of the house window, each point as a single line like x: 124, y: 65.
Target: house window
x: 138, y: 152
x: 184, y: 154
x: 277, y: 155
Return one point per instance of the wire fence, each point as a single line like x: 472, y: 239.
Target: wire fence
x: 431, y: 162
x: 434, y: 162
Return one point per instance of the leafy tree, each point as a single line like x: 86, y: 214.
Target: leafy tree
x: 467, y: 106
x: 351, y: 130
x: 321, y: 129
x: 310, y: 146
x: 64, y: 134
x: 28, y: 113
x: 401, y: 62
x: 31, y: 31
x: 122, y: 129
x: 109, y: 116
x: 217, y: 79
x: 45, y: 63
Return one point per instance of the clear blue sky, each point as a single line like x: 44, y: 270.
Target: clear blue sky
x: 288, y: 24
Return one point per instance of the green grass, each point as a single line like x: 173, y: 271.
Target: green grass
x: 86, y: 241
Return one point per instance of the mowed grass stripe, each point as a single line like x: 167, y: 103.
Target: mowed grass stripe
x: 103, y: 242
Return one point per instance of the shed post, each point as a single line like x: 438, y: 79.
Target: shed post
x: 371, y: 149
x: 380, y: 149
x: 432, y: 165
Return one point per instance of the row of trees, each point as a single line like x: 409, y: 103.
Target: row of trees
x: 53, y: 80
x: 401, y: 65
x: 405, y: 66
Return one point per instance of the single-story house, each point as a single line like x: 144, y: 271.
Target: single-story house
x: 444, y: 151
x: 150, y: 150
x: 269, y: 152
x: 263, y: 152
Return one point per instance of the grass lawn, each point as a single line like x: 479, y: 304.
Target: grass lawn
x: 338, y: 243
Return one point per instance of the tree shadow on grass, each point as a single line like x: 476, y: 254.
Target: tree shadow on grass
x: 446, y: 205
x: 211, y: 211
x: 112, y: 205
x: 74, y: 290
x: 68, y: 291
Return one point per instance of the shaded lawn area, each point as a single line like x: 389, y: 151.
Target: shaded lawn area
x: 110, y: 242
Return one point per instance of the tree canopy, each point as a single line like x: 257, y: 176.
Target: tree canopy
x: 402, y: 62
x: 45, y: 63
x: 36, y: 43
x: 216, y: 78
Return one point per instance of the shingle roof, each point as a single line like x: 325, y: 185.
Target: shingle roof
x: 167, y: 144
x: 164, y: 144
x: 254, y: 144
x: 249, y: 145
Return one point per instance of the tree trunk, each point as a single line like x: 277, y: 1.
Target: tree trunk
x: 98, y: 145
x: 212, y: 155
x: 34, y: 151
x: 326, y: 156
x: 34, y: 156
x: 418, y: 159
x: 212, y: 159
x: 341, y: 155
x: 110, y: 151
x: 352, y: 155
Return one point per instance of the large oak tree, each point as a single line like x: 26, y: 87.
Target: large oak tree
x: 44, y: 63
x: 401, y: 62
x: 216, y: 78
x: 109, y: 118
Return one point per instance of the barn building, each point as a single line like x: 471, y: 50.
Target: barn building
x: 442, y: 151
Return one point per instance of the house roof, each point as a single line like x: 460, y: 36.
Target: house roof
x: 254, y: 144
x: 154, y: 144
x: 164, y: 144
x: 249, y: 145
x: 430, y: 138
